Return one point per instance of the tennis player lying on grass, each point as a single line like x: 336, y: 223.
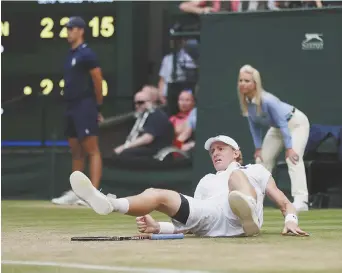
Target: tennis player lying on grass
x: 228, y: 203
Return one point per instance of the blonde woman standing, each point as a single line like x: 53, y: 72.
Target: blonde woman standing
x: 287, y: 126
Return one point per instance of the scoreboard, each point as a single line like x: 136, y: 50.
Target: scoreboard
x: 33, y: 51
x: 34, y: 45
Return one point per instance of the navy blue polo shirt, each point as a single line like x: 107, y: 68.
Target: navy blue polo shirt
x: 78, y: 83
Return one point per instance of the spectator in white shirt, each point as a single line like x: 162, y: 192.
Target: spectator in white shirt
x: 184, y: 60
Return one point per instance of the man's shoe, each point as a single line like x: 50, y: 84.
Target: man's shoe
x: 300, y: 202
x: 301, y: 206
x: 85, y: 190
x: 244, y: 207
x: 68, y: 198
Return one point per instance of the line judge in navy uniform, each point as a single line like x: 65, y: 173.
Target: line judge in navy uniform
x: 83, y: 96
x: 287, y: 126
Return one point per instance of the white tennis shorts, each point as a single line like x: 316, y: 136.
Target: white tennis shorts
x: 211, y: 218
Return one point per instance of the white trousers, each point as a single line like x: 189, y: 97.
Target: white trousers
x: 273, y: 143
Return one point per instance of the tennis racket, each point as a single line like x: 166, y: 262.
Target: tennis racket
x: 130, y: 238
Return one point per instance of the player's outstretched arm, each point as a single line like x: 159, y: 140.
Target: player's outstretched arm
x: 286, y: 207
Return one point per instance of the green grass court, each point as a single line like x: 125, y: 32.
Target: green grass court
x: 39, y: 232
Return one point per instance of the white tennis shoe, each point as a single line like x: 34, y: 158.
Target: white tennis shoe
x: 68, y: 198
x: 85, y: 190
x: 301, y: 203
x: 301, y: 206
x: 80, y: 202
x: 244, y: 208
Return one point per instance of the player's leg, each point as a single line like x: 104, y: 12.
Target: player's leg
x: 165, y: 201
x: 242, y: 201
x: 238, y: 181
x: 91, y: 147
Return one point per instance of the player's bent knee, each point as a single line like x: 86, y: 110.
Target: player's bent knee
x: 150, y: 191
x: 156, y: 193
x: 170, y: 200
x: 162, y: 196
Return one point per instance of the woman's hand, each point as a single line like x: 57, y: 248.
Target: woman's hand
x: 292, y: 155
x: 257, y: 155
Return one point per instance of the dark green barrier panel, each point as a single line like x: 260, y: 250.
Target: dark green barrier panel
x: 44, y: 173
x: 311, y: 80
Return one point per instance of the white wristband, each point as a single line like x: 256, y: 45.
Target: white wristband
x: 166, y: 228
x: 291, y: 218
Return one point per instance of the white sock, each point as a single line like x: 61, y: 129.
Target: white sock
x: 120, y: 205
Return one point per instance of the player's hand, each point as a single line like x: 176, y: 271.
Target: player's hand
x: 257, y: 156
x: 292, y: 155
x: 100, y: 118
x: 291, y: 228
x: 146, y: 224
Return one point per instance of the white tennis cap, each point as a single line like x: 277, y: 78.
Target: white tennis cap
x: 225, y: 139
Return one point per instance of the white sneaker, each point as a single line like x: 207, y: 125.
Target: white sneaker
x: 243, y: 207
x: 300, y: 202
x: 68, y: 198
x: 85, y: 190
x: 301, y: 206
x: 80, y: 202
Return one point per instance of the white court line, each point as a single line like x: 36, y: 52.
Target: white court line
x: 101, y: 267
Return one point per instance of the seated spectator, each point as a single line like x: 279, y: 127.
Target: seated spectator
x: 184, y: 140
x: 277, y: 5
x: 151, y: 132
x: 201, y: 7
x: 332, y: 3
x: 186, y: 103
x: 153, y: 91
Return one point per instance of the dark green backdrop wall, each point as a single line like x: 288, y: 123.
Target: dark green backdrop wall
x: 311, y: 80
x: 44, y: 173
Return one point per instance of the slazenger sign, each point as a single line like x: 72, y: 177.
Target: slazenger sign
x: 313, y: 41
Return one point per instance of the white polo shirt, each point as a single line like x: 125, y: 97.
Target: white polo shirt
x: 167, y: 67
x: 214, y: 187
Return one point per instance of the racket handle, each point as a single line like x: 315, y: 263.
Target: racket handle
x: 167, y: 236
